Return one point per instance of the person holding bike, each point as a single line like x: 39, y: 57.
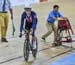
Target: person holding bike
x: 29, y: 18
x: 52, y: 17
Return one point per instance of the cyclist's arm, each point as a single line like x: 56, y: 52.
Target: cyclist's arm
x: 35, y: 20
x: 22, y: 22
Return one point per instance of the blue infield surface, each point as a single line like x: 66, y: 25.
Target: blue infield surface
x: 68, y: 60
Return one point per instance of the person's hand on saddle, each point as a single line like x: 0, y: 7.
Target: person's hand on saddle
x: 63, y: 18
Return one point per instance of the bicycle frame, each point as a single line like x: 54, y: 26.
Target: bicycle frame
x: 64, y: 25
x: 27, y: 35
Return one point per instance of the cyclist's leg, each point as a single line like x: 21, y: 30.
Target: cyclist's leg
x: 27, y: 31
x: 34, y: 40
x: 33, y: 34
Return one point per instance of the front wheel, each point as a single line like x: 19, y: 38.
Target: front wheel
x: 26, y: 50
x: 34, y: 47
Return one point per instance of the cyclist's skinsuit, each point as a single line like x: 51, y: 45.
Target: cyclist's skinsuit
x: 30, y: 22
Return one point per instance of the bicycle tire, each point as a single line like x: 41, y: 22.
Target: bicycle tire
x: 34, y: 51
x: 26, y: 50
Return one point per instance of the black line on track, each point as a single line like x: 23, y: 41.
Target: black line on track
x: 19, y: 57
x: 39, y: 51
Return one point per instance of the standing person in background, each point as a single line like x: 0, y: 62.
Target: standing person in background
x: 52, y: 17
x: 5, y: 6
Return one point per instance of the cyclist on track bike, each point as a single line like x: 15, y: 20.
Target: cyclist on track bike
x: 29, y: 18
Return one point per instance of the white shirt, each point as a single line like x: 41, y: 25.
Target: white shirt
x: 7, y: 5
